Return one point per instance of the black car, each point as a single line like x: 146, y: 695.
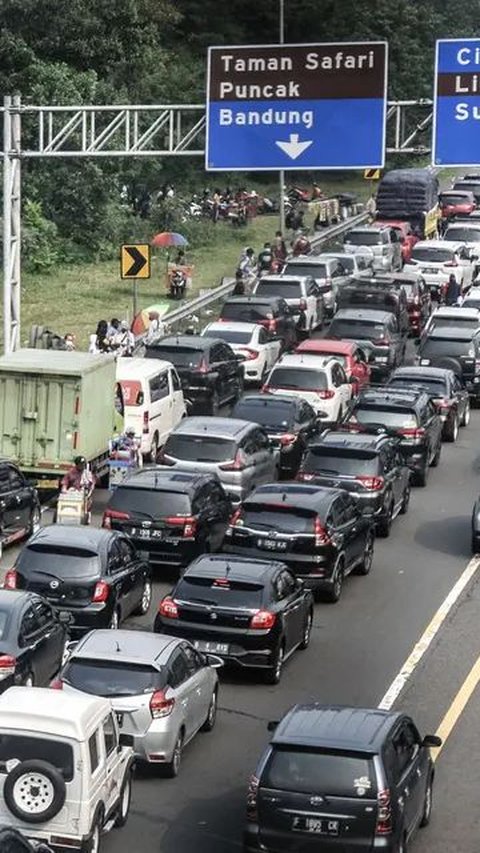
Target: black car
x: 96, y: 575
x: 32, y: 639
x: 408, y: 413
x: 290, y: 423
x: 378, y: 293
x: 370, y: 467
x: 380, y: 333
x: 319, y: 533
x: 273, y: 313
x: 12, y: 841
x: 210, y: 372
x: 19, y: 505
x: 252, y: 613
x: 447, y: 392
x: 455, y: 349
x: 170, y: 516
x: 338, y: 779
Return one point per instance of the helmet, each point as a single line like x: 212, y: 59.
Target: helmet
x: 80, y: 461
x: 130, y: 430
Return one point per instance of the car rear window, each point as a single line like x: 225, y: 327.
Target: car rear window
x: 287, y: 519
x: 454, y: 198
x: 432, y: 255
x: 432, y: 386
x: 363, y: 329
x: 462, y: 235
x: 179, y: 356
x: 315, y: 270
x: 296, y: 377
x: 200, y: 448
x: 432, y: 347
x: 132, y: 392
x: 363, y: 238
x: 60, y: 561
x: 230, y: 336
x: 452, y: 322
x: 396, y: 418
x: 349, y: 461
x: 152, y: 503
x: 270, y: 413
x: 220, y: 591
x: 330, y: 774
x: 474, y: 302
x: 327, y: 354
x: 248, y: 312
x: 29, y: 747
x: 285, y: 289
x: 364, y: 296
x: 108, y: 678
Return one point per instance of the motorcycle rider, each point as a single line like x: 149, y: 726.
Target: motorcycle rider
x: 265, y: 258
x: 301, y: 245
x: 178, y: 284
x: 128, y: 443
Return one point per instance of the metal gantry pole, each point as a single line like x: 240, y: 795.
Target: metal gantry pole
x: 7, y: 223
x: 281, y: 174
x: 11, y: 223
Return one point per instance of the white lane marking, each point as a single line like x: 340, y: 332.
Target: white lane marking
x: 428, y: 636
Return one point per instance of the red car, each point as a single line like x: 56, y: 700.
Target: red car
x: 456, y: 203
x: 404, y: 233
x: 352, y: 357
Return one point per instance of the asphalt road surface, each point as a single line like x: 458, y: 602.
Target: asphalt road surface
x: 357, y: 648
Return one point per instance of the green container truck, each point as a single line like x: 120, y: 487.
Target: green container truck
x: 55, y: 405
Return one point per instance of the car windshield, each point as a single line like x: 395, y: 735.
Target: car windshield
x: 356, y: 329
x: 327, y: 354
x: 111, y: 678
x: 462, y: 235
x: 432, y: 347
x: 153, y: 503
x: 58, y: 560
x: 179, y: 356
x: 220, y: 591
x: 454, y: 322
x: 315, y: 270
x: 19, y: 747
x: 363, y: 238
x: 268, y: 412
x: 199, y: 448
x: 311, y: 771
x: 433, y: 386
x: 349, y: 461
x: 285, y: 289
x: 432, y: 255
x: 248, y: 312
x: 469, y: 187
x: 287, y: 519
x: 296, y: 377
x: 391, y: 417
x: 230, y: 336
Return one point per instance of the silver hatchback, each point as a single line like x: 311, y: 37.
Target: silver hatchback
x: 239, y: 452
x: 162, y: 690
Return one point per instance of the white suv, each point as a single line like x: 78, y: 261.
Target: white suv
x: 65, y: 776
x: 250, y: 342
x: 300, y: 292
x: 438, y: 259
x: 322, y: 382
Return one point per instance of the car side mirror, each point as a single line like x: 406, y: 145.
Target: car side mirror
x: 214, y: 661
x: 432, y: 741
x: 272, y: 725
x: 125, y: 740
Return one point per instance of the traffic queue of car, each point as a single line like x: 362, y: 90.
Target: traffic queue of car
x: 263, y: 513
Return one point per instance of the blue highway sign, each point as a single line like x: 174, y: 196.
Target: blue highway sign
x: 456, y: 103
x: 300, y: 106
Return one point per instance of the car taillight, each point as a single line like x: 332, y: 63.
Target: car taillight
x: 250, y: 354
x: 415, y: 433
x: 146, y: 422
x: 236, y: 519
x: 56, y: 684
x: 305, y: 476
x: 303, y: 305
x: 477, y: 365
x: 252, y: 794
x: 384, y: 813
x: 321, y: 535
x: 10, y: 581
x: 326, y: 395
x: 7, y: 666
x: 112, y: 514
x: 262, y: 620
x: 451, y: 264
x: 237, y: 464
x: 101, y: 592
x: 202, y: 367
x: 168, y: 608
x: 160, y: 706
x: 189, y: 524
x: 373, y: 484
x: 287, y: 439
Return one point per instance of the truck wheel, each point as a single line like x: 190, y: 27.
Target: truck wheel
x: 34, y: 791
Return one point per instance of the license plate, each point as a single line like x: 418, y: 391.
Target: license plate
x: 119, y: 719
x: 424, y: 361
x: 212, y: 648
x: 271, y: 545
x: 316, y: 825
x: 430, y: 270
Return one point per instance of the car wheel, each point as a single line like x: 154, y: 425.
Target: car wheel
x: 450, y: 432
x: 146, y: 600
x: 92, y: 845
x: 29, y: 680
x: 240, y: 389
x: 402, y: 845
x: 172, y: 767
x: 385, y: 525
x: 334, y: 592
x: 274, y: 673
x: 307, y: 631
x: 214, y: 403
x: 406, y: 499
x: 366, y: 564
x: 475, y: 544
x: 427, y: 804
x: 35, y: 521
x: 436, y: 458
x: 124, y: 802
x: 34, y: 791
x: 212, y: 714
x: 466, y: 415
x: 115, y: 620
x: 420, y: 478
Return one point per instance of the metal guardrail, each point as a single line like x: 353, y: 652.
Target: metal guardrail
x: 225, y: 288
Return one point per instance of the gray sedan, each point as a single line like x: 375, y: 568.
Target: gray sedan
x: 162, y: 690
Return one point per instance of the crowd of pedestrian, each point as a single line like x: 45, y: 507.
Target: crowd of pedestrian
x: 115, y: 336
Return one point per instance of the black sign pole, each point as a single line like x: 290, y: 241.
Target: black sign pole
x: 135, y: 297
x: 281, y: 174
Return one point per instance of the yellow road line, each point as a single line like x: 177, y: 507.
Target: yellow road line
x: 457, y: 707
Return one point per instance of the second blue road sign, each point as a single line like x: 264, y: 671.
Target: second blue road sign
x: 456, y: 106
x: 300, y: 106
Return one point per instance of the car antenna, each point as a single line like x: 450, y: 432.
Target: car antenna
x: 284, y: 497
x: 227, y: 569
x: 118, y: 649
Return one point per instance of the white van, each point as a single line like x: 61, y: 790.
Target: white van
x: 153, y: 400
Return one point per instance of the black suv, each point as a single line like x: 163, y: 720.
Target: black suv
x: 170, y: 516
x: 339, y: 779
x: 210, y: 373
x: 379, y: 332
x: 19, y: 505
x: 447, y: 392
x: 273, y: 313
x: 290, y: 423
x: 320, y: 533
x: 408, y: 413
x: 370, y: 467
x: 456, y: 349
x: 253, y: 613
x: 376, y: 293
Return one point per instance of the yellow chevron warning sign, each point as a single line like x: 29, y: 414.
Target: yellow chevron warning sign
x: 372, y: 174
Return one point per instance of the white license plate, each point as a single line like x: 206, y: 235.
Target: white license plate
x: 382, y: 359
x: 424, y: 361
x: 430, y: 270
x: 271, y: 545
x: 316, y: 825
x: 212, y: 648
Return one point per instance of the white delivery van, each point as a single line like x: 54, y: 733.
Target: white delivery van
x: 153, y: 400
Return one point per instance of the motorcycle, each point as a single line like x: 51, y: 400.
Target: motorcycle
x: 178, y: 284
